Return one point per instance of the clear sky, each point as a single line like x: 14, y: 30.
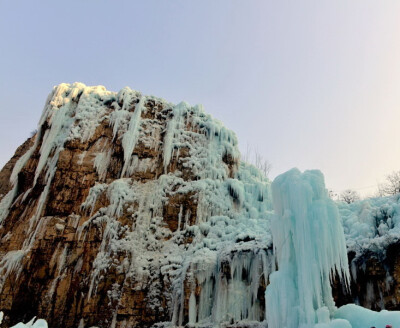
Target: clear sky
x: 311, y: 84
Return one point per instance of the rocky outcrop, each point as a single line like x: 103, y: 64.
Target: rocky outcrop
x: 375, y: 280
x: 5, y: 173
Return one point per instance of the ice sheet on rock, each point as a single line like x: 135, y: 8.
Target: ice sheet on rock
x: 216, y: 240
x: 236, y: 243
x: 11, y: 262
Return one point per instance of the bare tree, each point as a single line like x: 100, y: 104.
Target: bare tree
x: 391, y: 186
x: 349, y: 196
x: 253, y: 157
x: 262, y: 164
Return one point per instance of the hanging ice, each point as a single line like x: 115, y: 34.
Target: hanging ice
x: 310, y: 248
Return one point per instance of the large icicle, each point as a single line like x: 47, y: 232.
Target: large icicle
x: 172, y: 131
x: 310, y: 247
x: 131, y: 136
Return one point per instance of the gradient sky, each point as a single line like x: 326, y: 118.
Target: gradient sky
x: 309, y: 84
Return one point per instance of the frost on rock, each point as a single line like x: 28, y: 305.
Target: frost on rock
x: 310, y: 247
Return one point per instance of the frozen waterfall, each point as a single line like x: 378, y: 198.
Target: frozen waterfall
x: 310, y: 249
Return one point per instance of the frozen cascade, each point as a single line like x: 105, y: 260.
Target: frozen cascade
x: 309, y: 244
x: 226, y: 288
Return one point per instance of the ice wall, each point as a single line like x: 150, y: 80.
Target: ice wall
x: 229, y: 262
x: 310, y: 248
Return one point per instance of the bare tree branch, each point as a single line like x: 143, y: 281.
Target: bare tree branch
x: 391, y: 186
x: 349, y: 196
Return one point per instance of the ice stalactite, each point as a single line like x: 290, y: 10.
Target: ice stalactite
x: 101, y: 163
x: 310, y: 247
x: 131, y: 136
x: 224, y: 288
x: 173, y: 129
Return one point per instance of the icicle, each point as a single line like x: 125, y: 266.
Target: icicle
x: 172, y: 131
x: 11, y: 262
x: 91, y: 199
x: 101, y: 163
x: 131, y: 136
x: 180, y: 218
x: 192, y: 309
x: 60, y: 268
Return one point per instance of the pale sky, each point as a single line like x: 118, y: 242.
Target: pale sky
x: 309, y: 84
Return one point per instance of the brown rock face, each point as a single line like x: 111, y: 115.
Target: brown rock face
x: 5, y: 173
x: 375, y: 280
x: 97, y: 202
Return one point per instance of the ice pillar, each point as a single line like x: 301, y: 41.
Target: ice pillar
x: 310, y: 248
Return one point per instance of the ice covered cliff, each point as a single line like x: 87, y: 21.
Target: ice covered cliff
x: 126, y: 210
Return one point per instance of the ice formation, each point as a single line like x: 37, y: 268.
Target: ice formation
x: 218, y: 277
x: 371, y: 224
x: 310, y: 248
